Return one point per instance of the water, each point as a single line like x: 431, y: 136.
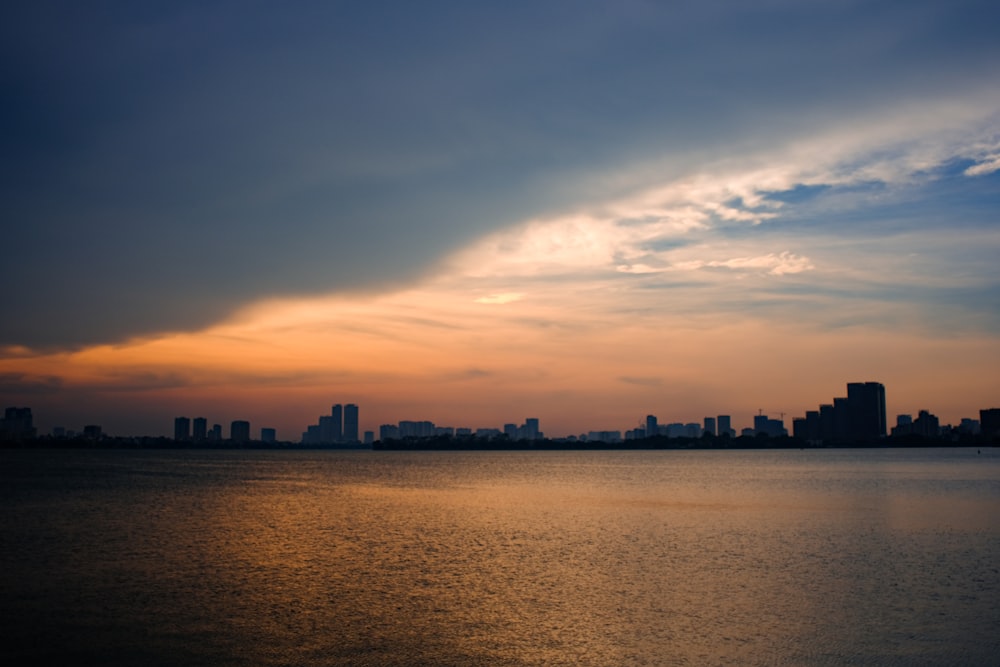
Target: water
x: 833, y: 557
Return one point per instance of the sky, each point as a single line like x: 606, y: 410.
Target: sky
x: 475, y: 213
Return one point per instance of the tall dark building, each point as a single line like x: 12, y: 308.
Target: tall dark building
x: 350, y: 422
x: 17, y: 424
x: 725, y: 425
x: 989, y: 422
x: 199, y: 429
x: 182, y: 429
x: 652, y: 427
x: 239, y: 431
x: 865, y: 411
x: 337, y: 423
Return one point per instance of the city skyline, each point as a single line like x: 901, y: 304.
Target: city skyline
x: 579, y: 211
x: 860, y: 416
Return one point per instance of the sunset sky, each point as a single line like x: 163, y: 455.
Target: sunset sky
x: 475, y: 213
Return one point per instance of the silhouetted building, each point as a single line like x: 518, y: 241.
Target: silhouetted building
x: 268, y: 435
x: 989, y: 422
x: 92, y: 432
x: 17, y: 424
x: 773, y: 428
x: 216, y: 433
x: 709, y: 425
x: 510, y: 430
x: 369, y: 437
x: 865, y: 411
x: 337, y: 412
x: 199, y: 429
x: 969, y: 427
x: 857, y: 417
x: 725, y: 426
x: 182, y: 429
x: 239, y: 431
x: 388, y: 432
x: 925, y: 425
x: 328, y: 431
x: 531, y: 431
x: 351, y: 423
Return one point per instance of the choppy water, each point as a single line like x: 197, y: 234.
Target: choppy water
x: 839, y: 557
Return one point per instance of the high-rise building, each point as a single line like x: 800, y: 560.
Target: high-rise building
x: 989, y: 422
x: 531, y: 431
x: 652, y: 427
x: 725, y: 426
x: 17, y: 424
x: 239, y: 431
x: 199, y: 429
x: 865, y: 411
x: 350, y: 423
x: 337, y: 412
x: 182, y: 429
x: 709, y: 425
x: 327, y: 432
x: 268, y: 435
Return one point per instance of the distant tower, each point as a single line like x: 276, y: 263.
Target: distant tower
x: 239, y: 431
x: 531, y: 428
x: 350, y: 423
x: 182, y: 429
x: 710, y: 425
x: 725, y: 425
x: 337, y: 423
x: 200, y: 429
x: 652, y: 428
x: 865, y: 411
x: 268, y: 435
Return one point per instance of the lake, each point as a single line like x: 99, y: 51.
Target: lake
x: 765, y: 557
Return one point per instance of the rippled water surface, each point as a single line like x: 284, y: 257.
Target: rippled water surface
x: 831, y: 557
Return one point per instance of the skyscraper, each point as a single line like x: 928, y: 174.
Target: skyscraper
x: 239, y: 431
x: 182, y: 429
x: 709, y: 425
x: 725, y: 426
x: 865, y: 411
x: 200, y: 429
x: 652, y: 428
x: 337, y: 423
x: 350, y: 422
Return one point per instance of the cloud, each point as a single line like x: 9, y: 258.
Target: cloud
x: 989, y: 165
x: 500, y: 298
x: 772, y: 264
x: 209, y: 157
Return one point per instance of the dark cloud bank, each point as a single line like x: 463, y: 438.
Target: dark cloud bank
x: 165, y: 163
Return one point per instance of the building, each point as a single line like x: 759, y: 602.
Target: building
x: 369, y: 437
x: 182, y: 429
x: 865, y: 418
x: 200, y: 429
x: 709, y: 426
x: 239, y: 431
x: 989, y: 422
x: 17, y: 424
x: 652, y: 428
x: 724, y: 423
x: 772, y: 428
x: 351, y: 433
x: 857, y: 417
x: 268, y: 435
